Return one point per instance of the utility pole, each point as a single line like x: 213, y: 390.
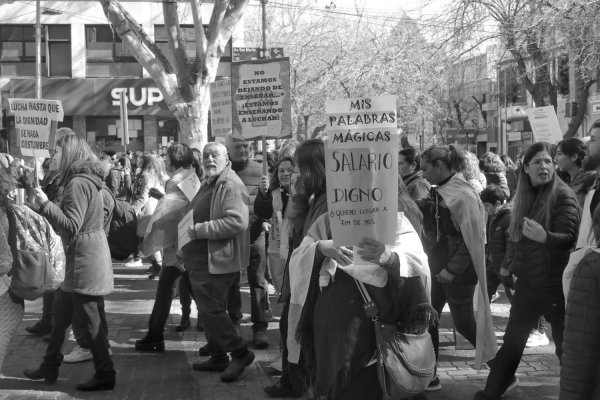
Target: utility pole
x: 38, y: 50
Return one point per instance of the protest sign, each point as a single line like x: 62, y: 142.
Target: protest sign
x: 261, y: 99
x: 361, y: 162
x: 220, y: 107
x: 182, y: 229
x: 544, y: 124
x: 190, y: 186
x: 33, y: 120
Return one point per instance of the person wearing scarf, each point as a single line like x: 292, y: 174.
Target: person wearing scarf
x: 454, y: 219
x: 326, y: 318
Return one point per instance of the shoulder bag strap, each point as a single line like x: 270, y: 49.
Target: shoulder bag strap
x: 369, y: 305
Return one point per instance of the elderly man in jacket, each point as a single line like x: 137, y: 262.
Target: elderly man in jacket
x: 217, y: 251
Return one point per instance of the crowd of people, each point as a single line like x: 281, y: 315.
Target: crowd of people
x: 467, y: 226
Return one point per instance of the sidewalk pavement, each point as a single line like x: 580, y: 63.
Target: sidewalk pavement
x: 169, y: 375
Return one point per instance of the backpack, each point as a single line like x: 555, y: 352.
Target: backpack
x: 122, y: 235
x: 38, y: 255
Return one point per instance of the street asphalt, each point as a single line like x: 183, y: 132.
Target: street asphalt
x: 169, y: 375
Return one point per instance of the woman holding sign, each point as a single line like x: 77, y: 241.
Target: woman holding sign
x: 336, y: 336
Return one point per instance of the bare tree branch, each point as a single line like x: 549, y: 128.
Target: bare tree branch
x: 176, y: 43
x: 199, y: 64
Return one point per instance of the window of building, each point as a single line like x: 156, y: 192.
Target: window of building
x: 17, y: 50
x: 107, y: 131
x: 106, y: 56
x: 189, y: 40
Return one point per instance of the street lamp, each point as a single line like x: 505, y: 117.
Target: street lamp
x: 306, y: 115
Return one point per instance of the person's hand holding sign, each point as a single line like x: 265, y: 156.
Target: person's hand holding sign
x: 372, y: 251
x: 342, y: 255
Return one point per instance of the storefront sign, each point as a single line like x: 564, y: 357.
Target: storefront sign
x: 220, y: 107
x: 261, y: 99
x: 97, y: 96
x: 33, y: 120
x: 544, y: 124
x: 361, y: 162
x: 138, y: 97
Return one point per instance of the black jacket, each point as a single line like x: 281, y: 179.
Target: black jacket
x: 580, y: 371
x: 443, y: 243
x: 541, y: 265
x: 497, y: 237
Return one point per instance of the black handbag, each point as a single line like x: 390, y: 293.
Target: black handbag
x: 405, y: 362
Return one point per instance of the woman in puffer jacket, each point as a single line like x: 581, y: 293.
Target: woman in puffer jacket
x: 580, y: 370
x: 79, y: 220
x: 542, y: 231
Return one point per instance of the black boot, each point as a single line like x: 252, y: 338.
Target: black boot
x: 48, y: 371
x: 154, y: 270
x: 96, y: 384
x: 149, y: 344
x: 184, y: 324
x: 42, y: 327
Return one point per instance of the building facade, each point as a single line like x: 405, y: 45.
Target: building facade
x: 498, y: 119
x: 86, y: 66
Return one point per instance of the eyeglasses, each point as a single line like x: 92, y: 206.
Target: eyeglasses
x: 538, y: 163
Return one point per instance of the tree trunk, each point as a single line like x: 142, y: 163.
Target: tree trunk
x: 576, y: 120
x: 193, y: 118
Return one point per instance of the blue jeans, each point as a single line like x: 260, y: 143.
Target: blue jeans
x: 459, y: 297
x: 527, y: 306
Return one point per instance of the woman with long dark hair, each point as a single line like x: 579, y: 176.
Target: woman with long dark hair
x: 542, y: 231
x: 307, y: 201
x: 326, y: 319
x: 79, y: 219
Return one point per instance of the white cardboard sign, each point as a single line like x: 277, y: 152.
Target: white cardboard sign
x: 361, y: 162
x: 544, y: 124
x: 220, y: 107
x: 33, y: 119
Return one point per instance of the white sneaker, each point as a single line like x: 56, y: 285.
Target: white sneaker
x: 134, y: 263
x: 78, y: 354
x: 537, y: 339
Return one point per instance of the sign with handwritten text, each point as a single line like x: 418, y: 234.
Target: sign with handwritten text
x: 261, y: 98
x: 361, y: 162
x: 220, y: 107
x: 33, y: 122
